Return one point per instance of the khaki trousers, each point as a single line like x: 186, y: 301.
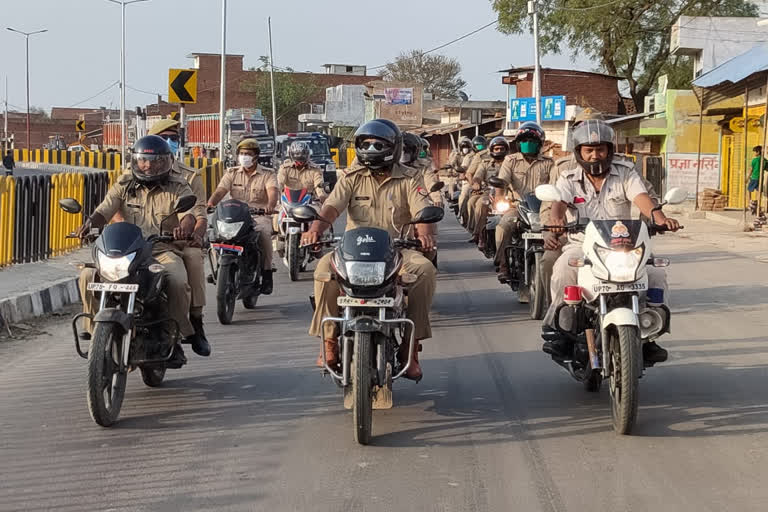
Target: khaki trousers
x: 472, y: 210
x: 263, y: 224
x: 194, y: 263
x: 419, y: 295
x: 504, y: 231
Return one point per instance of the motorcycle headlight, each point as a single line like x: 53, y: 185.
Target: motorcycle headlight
x: 229, y: 230
x: 114, y: 269
x: 622, y: 265
x: 364, y: 273
x: 501, y: 206
x: 534, y: 219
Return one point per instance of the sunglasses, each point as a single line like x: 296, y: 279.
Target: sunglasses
x: 171, y: 138
x: 373, y: 144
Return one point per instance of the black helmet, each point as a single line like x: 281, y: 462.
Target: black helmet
x: 386, y: 151
x: 465, y: 142
x: 411, y: 148
x: 530, y: 137
x: 425, y: 146
x: 496, y: 152
x: 479, y: 143
x: 298, y: 151
x: 151, y: 160
x: 594, y: 132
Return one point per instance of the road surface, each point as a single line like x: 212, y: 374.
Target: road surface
x: 493, y: 426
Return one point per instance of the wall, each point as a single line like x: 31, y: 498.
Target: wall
x: 406, y: 116
x: 600, y: 92
x: 345, y: 105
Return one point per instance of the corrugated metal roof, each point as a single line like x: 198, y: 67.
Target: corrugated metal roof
x: 732, y: 77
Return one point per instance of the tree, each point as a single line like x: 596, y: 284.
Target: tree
x: 290, y: 93
x: 440, y: 75
x: 628, y: 38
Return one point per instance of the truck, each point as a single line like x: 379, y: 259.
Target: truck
x: 241, y: 123
x: 319, y: 150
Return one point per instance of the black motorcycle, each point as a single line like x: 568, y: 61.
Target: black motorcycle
x: 235, y: 258
x: 367, y: 264
x: 524, y: 256
x: 132, y: 328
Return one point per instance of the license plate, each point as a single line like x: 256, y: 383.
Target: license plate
x: 533, y: 236
x: 382, y: 302
x: 619, y: 287
x: 113, y: 287
x: 229, y: 248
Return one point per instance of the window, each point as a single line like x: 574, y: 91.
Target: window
x: 349, y: 69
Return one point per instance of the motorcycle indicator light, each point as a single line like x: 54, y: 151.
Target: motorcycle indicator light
x: 155, y: 268
x: 660, y: 262
x: 575, y: 262
x: 572, y: 295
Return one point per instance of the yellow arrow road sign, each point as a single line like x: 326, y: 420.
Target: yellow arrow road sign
x: 182, y: 86
x: 80, y: 125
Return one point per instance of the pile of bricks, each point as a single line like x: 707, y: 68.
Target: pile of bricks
x: 712, y: 200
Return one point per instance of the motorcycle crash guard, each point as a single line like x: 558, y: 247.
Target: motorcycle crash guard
x: 115, y: 316
x: 620, y: 316
x: 364, y: 324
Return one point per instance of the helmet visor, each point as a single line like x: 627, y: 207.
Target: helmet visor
x: 150, y: 166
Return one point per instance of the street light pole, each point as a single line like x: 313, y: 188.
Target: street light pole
x: 537, y: 61
x: 26, y: 35
x: 123, y: 135
x: 223, y: 85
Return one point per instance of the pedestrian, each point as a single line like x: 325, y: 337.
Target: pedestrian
x: 758, y: 165
x: 8, y: 163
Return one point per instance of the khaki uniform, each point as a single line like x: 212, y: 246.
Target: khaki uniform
x: 252, y: 188
x: 310, y: 178
x: 466, y: 163
x: 146, y: 207
x: 193, y: 256
x: 523, y: 177
x: 482, y: 160
x: 487, y: 169
x: 430, y: 177
x: 621, y: 187
x: 370, y: 204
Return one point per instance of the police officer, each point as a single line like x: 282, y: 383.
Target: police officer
x: 600, y: 190
x: 192, y: 253
x: 429, y: 172
x: 299, y: 172
x: 256, y: 185
x: 498, y: 151
x: 522, y: 172
x: 479, y: 150
x: 372, y: 192
x: 145, y: 198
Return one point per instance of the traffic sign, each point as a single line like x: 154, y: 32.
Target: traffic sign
x: 182, y: 86
x: 174, y: 115
x: 80, y: 125
x: 524, y: 109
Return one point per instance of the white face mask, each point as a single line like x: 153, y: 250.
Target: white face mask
x: 464, y: 151
x: 245, y: 160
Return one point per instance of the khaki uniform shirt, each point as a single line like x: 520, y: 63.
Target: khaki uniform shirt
x: 249, y: 188
x: 569, y: 162
x: 454, y: 160
x: 487, y: 169
x: 371, y: 204
x: 147, y: 206
x: 310, y: 178
x: 477, y: 158
x: 523, y: 176
x: 466, y: 162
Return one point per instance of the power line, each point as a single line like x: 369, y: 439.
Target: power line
x: 97, y: 94
x: 143, y: 91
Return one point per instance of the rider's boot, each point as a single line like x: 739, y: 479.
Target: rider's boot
x: 199, y: 342
x: 331, y: 348
x: 266, y: 282
x: 414, y: 370
x: 178, y: 359
x: 653, y: 353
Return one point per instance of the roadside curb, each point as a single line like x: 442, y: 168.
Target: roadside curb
x: 34, y: 303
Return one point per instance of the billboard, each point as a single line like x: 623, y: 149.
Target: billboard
x: 682, y: 169
x: 524, y: 109
x: 399, y: 96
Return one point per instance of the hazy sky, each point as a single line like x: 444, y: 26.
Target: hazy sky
x: 80, y: 54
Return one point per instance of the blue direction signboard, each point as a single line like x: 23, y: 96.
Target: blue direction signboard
x: 524, y: 109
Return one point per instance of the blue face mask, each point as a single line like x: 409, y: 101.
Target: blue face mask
x: 174, y: 145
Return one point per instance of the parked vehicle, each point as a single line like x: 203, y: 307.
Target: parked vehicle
x: 132, y: 328
x: 373, y: 324
x: 613, y: 310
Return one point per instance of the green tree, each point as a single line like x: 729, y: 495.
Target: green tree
x: 440, y: 75
x: 628, y: 38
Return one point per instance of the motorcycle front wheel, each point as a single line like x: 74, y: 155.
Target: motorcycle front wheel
x: 106, y: 383
x: 624, y: 343
x: 226, y: 293
x: 537, y: 303
x: 362, y: 387
x: 293, y: 257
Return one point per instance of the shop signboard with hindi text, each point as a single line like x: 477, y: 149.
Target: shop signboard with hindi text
x: 682, y: 169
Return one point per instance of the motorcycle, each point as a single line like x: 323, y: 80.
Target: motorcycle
x: 524, y: 255
x: 613, y: 310
x: 288, y: 243
x: 373, y: 325
x: 497, y: 210
x: 234, y: 257
x: 132, y: 328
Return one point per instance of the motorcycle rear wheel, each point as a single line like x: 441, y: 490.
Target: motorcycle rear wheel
x: 537, y: 303
x: 625, y: 379
x: 106, y: 383
x: 226, y: 295
x: 362, y: 387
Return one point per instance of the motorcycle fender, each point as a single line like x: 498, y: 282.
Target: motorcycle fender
x: 294, y: 230
x: 115, y: 316
x: 620, y: 316
x: 228, y: 259
x: 364, y: 324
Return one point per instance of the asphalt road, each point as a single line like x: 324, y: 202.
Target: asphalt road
x: 494, y: 425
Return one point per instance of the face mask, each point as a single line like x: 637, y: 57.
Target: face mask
x: 479, y: 147
x: 423, y: 154
x: 245, y: 160
x: 464, y: 151
x: 174, y: 146
x: 529, y: 147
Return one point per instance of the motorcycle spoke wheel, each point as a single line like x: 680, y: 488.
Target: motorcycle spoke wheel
x: 625, y: 380
x: 537, y: 304
x: 226, y: 294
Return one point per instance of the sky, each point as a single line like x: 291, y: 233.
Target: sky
x: 79, y: 56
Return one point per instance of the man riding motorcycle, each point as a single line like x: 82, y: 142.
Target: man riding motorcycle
x: 298, y: 172
x: 429, y: 173
x: 499, y: 149
x: 376, y: 191
x: 253, y: 184
x: 599, y: 188
x: 145, y: 198
x: 522, y: 172
x: 479, y: 151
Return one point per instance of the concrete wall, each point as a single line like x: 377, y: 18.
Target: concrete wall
x: 345, y: 105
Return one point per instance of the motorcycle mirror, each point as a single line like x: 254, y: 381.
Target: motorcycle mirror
x: 428, y: 215
x: 70, y: 205
x: 304, y: 214
x: 184, y: 204
x: 497, y: 182
x: 437, y: 186
x: 675, y: 195
x: 548, y: 193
